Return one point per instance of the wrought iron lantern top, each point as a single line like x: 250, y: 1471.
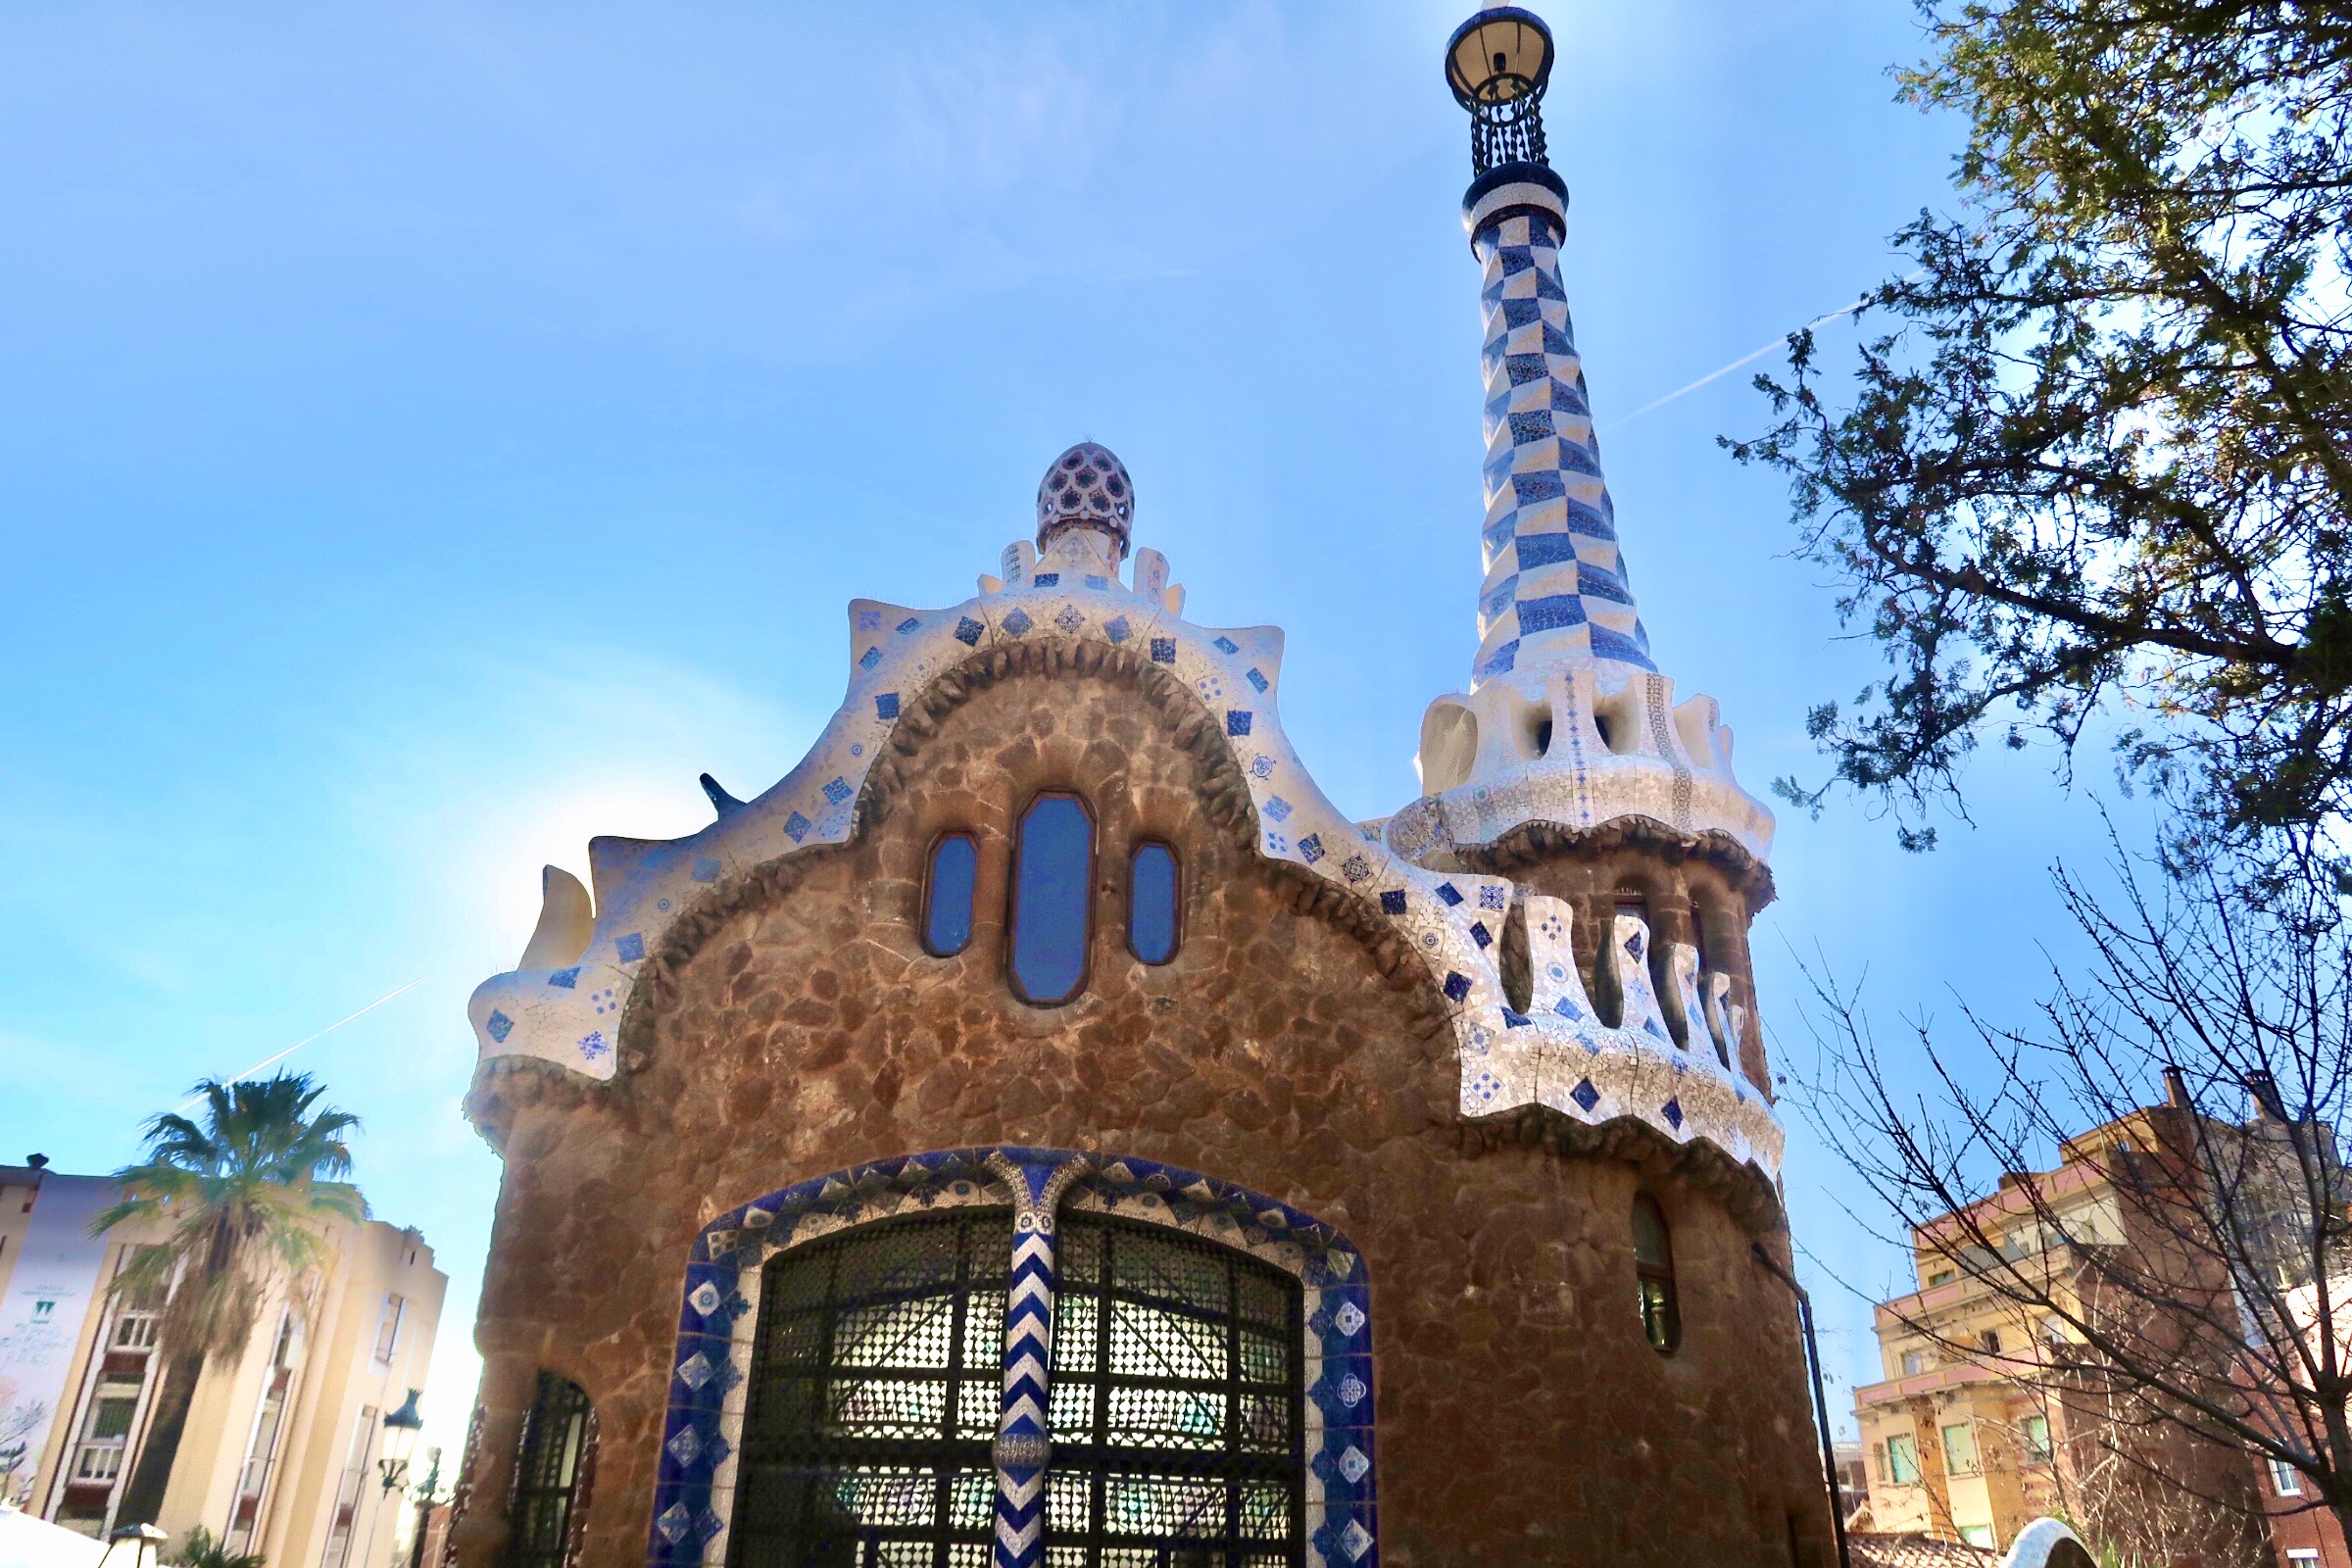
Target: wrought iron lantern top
x: 1499, y: 64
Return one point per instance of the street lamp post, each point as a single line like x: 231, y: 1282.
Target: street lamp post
x: 424, y: 1504
x: 133, y: 1547
x: 400, y: 1440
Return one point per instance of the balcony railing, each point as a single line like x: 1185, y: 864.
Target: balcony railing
x: 100, y: 1460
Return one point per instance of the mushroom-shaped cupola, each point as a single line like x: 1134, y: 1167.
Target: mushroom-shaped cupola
x: 1086, y: 488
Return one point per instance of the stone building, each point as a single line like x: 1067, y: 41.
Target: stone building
x: 277, y: 1454
x: 1042, y: 1128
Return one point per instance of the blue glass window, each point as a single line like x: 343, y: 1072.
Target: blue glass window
x: 1052, y: 874
x: 948, y: 896
x: 1152, y: 903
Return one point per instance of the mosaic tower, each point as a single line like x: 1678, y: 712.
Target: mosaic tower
x: 1042, y: 1131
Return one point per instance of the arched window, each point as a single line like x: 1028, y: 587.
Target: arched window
x: 552, y: 1471
x: 948, y: 895
x: 877, y: 1370
x: 1654, y: 1267
x: 1151, y: 908
x: 1177, y: 1415
x: 1052, y: 875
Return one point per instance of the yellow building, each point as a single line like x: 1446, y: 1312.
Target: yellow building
x: 278, y: 1451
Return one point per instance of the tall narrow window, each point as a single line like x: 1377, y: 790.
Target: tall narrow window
x: 1653, y: 1266
x: 551, y: 1474
x: 948, y: 896
x: 1152, y: 903
x: 348, y: 1491
x: 1052, y: 877
x: 387, y: 1327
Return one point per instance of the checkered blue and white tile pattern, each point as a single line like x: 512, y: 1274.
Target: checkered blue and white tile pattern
x: 1555, y: 586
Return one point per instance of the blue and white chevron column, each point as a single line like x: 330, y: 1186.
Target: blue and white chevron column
x: 1555, y: 590
x: 1024, y: 1442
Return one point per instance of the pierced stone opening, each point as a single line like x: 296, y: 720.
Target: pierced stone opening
x: 1516, y: 960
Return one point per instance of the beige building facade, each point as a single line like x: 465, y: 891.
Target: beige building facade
x: 278, y: 1455
x: 1963, y: 1438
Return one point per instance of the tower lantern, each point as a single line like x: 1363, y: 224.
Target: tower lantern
x: 1499, y: 64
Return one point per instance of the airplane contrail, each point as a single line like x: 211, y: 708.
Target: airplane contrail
x: 1750, y: 359
x: 298, y: 1044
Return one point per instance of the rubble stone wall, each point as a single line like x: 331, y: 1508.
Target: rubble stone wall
x: 796, y: 1026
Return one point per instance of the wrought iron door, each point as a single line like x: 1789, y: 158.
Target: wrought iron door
x: 1176, y: 1405
x: 877, y: 1372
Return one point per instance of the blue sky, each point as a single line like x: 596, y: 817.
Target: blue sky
x: 432, y: 433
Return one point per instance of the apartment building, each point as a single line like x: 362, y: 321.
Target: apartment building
x: 1965, y: 1440
x: 277, y: 1453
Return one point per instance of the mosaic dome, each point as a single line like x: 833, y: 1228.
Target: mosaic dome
x: 1086, y: 488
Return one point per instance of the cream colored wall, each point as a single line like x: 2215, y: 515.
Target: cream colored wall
x: 65, y: 1426
x: 337, y: 1374
x: 339, y: 1378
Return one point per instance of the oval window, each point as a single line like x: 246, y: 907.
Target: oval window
x: 1654, y: 1267
x: 948, y: 896
x: 1052, y: 868
x: 1152, y: 903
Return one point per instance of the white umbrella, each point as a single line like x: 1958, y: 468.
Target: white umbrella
x: 30, y: 1543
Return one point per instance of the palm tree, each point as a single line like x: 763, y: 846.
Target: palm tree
x: 201, y: 1550
x: 244, y: 1198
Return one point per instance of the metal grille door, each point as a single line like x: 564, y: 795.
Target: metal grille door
x: 877, y: 1373
x: 1177, y: 1403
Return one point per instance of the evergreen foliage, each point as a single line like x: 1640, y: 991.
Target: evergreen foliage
x: 2101, y: 460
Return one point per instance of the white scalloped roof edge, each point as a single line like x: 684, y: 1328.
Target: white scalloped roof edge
x: 570, y: 1017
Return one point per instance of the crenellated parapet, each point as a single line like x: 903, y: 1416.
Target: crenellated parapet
x: 1663, y: 1063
